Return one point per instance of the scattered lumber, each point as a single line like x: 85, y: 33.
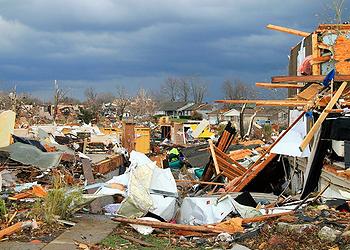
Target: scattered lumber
x: 265, y: 217
x: 231, y: 226
x: 281, y: 103
x: 313, y: 78
x: 320, y: 59
x: 334, y: 27
x: 165, y: 225
x: 253, y: 170
x: 15, y: 228
x: 322, y: 117
x: 278, y: 85
x: 213, y: 155
x: 287, y: 30
x: 223, y: 144
x: 310, y: 92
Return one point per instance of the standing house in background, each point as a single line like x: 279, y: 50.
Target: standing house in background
x: 175, y: 109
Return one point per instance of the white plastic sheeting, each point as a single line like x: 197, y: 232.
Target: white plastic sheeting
x: 290, y: 142
x: 204, y: 210
x: 149, y: 188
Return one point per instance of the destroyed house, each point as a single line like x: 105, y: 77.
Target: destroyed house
x: 317, y: 54
x: 314, y: 148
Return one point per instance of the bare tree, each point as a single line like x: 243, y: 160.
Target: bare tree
x: 237, y: 90
x: 143, y: 104
x: 104, y: 97
x: 338, y: 7
x: 90, y: 95
x: 122, y: 101
x: 184, y: 89
x: 70, y: 100
x: 198, y: 88
x: 59, y: 96
x: 170, y: 88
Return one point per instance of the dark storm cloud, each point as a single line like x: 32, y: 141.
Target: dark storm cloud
x: 138, y: 43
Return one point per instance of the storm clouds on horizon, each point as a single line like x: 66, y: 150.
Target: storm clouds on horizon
x: 103, y: 43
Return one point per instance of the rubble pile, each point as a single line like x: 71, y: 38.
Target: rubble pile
x: 265, y: 186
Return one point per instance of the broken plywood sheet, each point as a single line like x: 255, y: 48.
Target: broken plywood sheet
x: 252, y: 142
x: 310, y: 92
x: 342, y: 55
x: 7, y: 124
x: 240, y: 154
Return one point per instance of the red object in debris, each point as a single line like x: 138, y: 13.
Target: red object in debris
x: 36, y: 241
x: 305, y: 67
x: 173, y: 221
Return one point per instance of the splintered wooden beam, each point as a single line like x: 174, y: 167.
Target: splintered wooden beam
x: 260, y: 163
x: 247, y: 177
x: 320, y: 59
x: 322, y: 117
x: 278, y: 85
x: 332, y: 27
x: 281, y: 103
x: 315, y: 78
x: 316, y: 68
x: 182, y: 227
x: 288, y: 30
x: 213, y: 155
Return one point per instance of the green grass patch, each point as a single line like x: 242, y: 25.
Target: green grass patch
x: 59, y: 202
x: 117, y: 242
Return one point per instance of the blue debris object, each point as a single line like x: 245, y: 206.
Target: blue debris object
x: 308, y: 114
x: 329, y: 77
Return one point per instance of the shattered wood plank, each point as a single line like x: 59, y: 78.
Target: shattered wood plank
x: 316, y: 68
x: 109, y: 164
x: 15, y: 228
x: 288, y: 30
x: 224, y: 142
x: 227, y: 169
x: 281, y: 103
x: 265, y: 217
x: 240, y: 154
x: 252, y: 142
x: 229, y: 159
x: 322, y: 117
x: 313, y: 78
x: 237, y: 185
x: 332, y: 27
x: 213, y: 155
x: 250, y: 174
x: 310, y: 92
x: 165, y: 225
x: 278, y: 85
x: 320, y: 59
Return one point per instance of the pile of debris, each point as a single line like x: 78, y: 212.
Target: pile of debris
x: 44, y: 172
x: 199, y: 187
x: 278, y: 188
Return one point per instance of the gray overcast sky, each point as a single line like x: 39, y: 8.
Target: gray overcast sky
x: 102, y: 43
